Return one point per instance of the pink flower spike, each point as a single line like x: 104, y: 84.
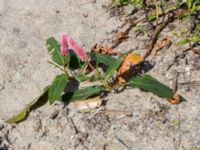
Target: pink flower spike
x: 77, y: 49
x: 64, y: 45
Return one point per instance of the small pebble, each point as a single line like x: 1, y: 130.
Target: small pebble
x: 85, y: 15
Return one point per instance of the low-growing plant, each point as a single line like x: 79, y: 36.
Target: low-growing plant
x: 137, y: 3
x: 193, y: 38
x: 192, y: 6
x: 103, y: 70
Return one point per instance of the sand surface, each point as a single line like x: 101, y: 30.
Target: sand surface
x: 154, y: 124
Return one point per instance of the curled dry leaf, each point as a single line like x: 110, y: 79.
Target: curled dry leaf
x: 105, y: 50
x: 196, y: 51
x: 88, y: 104
x: 120, y: 37
x: 175, y: 100
x: 164, y: 43
x: 130, y: 61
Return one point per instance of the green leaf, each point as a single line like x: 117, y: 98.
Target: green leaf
x: 115, y: 65
x: 41, y: 100
x: 82, y: 94
x: 151, y: 18
x: 195, y: 39
x: 184, y: 42
x: 54, y: 49
x: 105, y: 59
x: 149, y: 84
x: 101, y: 58
x: 94, y: 78
x: 197, y: 29
x: 189, y: 3
x: 198, y: 148
x: 81, y: 77
x: 193, y: 8
x: 57, y: 88
x: 185, y: 17
x: 121, y: 2
x: 175, y: 122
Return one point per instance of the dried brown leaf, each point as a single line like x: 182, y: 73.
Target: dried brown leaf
x: 175, y: 100
x: 164, y: 43
x: 90, y: 103
x: 105, y: 50
x: 130, y: 61
x: 120, y: 37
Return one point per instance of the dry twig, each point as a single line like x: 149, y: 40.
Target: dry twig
x: 158, y: 30
x: 105, y: 50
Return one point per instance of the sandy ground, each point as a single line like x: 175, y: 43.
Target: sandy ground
x: 153, y: 124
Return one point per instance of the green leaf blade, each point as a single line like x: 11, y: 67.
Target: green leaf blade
x: 57, y: 88
x: 82, y: 94
x: 41, y: 100
x: 184, y: 42
x: 53, y: 48
x: 151, y: 18
x: 19, y: 117
x: 81, y: 77
x: 115, y: 65
x: 105, y: 59
x: 149, y: 84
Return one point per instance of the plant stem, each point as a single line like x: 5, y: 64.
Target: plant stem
x: 65, y: 69
x: 57, y: 66
x: 94, y: 70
